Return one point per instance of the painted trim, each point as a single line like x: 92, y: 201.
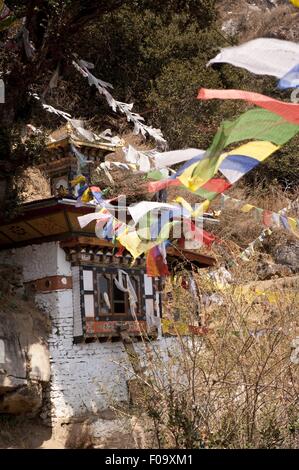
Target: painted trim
x: 50, y: 284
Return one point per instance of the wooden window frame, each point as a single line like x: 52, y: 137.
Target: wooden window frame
x: 111, y: 272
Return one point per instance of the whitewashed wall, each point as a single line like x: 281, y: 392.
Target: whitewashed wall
x: 84, y: 377
x: 38, y: 261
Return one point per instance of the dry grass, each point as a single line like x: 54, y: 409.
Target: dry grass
x: 280, y: 23
x: 255, y: 19
x: 236, y: 386
x: 240, y: 228
x: 32, y: 185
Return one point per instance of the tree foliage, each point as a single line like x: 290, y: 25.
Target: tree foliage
x: 154, y: 53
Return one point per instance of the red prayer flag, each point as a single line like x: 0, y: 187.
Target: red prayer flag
x: 155, y: 263
x: 289, y: 111
x: 120, y: 251
x: 155, y: 186
x: 200, y: 235
x: 267, y: 218
x: 214, y: 185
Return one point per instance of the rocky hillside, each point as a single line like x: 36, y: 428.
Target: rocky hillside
x: 255, y: 18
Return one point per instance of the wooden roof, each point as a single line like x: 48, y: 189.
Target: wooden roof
x: 46, y: 219
x: 55, y: 219
x: 70, y: 134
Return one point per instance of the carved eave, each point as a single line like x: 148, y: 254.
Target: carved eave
x: 83, y: 251
x: 69, y: 134
x: 85, y: 147
x: 62, y: 158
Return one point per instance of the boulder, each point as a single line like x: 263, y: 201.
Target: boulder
x: 26, y: 399
x: 39, y: 363
x: 24, y: 358
x: 267, y: 270
x: 12, y: 358
x: 287, y: 255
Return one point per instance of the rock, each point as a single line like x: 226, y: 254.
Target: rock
x: 115, y: 434
x: 249, y: 19
x: 268, y: 270
x: 12, y: 362
x: 79, y: 436
x: 3, y: 188
x: 10, y: 279
x: 39, y: 363
x: 295, y: 351
x: 283, y: 249
x: 33, y: 184
x: 25, y: 399
x: 107, y: 414
x: 287, y: 255
x: 230, y: 27
x: 9, y: 383
x: 24, y: 359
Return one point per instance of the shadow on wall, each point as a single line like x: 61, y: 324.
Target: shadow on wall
x: 86, y: 378
x: 24, y: 359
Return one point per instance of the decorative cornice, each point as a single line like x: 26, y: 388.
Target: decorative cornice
x: 88, y: 253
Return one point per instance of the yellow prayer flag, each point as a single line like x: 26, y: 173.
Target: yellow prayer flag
x: 206, y: 168
x: 174, y: 327
x: 246, y: 208
x: 202, y: 208
x: 86, y: 196
x: 184, y: 203
x: 197, y: 212
x: 131, y: 241
x: 294, y: 225
x: 186, y: 177
x: 257, y: 149
x: 77, y: 180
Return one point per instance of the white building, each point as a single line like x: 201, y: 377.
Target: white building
x: 76, y: 280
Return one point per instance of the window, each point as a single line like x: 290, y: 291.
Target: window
x: 105, y: 294
x: 102, y: 305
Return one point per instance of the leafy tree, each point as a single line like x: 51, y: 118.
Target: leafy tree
x: 154, y: 53
x: 130, y: 42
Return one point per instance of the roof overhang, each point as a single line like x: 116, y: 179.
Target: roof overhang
x: 65, y: 141
x: 44, y: 220
x: 56, y: 219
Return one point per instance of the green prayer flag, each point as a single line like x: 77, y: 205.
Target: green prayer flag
x: 258, y: 124
x: 155, y: 175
